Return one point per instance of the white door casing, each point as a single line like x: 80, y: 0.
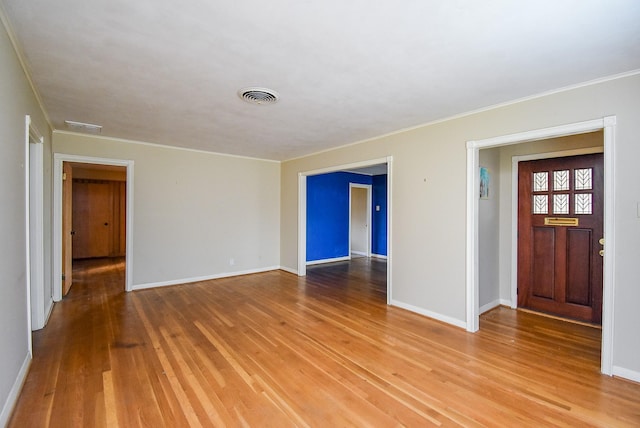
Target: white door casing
x: 35, y: 219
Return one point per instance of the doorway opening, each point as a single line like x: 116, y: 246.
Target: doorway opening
x: 327, y: 201
x: 607, y: 126
x: 93, y: 215
x: 93, y: 204
x: 360, y: 221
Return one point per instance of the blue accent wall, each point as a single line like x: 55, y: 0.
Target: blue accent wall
x: 328, y: 214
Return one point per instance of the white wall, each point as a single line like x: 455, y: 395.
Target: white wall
x: 429, y: 197
x: 193, y: 211
x: 488, y: 234
x: 16, y: 100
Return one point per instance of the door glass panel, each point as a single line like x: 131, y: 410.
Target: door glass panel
x: 540, y: 181
x: 583, y: 177
x: 561, y: 180
x: 561, y: 203
x: 584, y: 204
x: 540, y: 204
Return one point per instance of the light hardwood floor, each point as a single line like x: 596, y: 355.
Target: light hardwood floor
x: 276, y: 350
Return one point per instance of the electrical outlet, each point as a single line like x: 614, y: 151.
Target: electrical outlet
x: 232, y: 262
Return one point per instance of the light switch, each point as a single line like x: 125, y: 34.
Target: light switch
x: 378, y: 208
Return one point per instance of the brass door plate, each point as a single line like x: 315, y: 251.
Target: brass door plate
x: 561, y: 221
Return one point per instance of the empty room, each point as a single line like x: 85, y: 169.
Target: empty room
x: 319, y: 213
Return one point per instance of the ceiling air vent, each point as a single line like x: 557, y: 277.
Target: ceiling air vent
x: 260, y: 96
x: 83, y: 127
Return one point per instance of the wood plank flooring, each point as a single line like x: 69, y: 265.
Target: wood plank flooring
x: 276, y: 350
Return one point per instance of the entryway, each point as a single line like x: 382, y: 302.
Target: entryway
x: 104, y: 211
x: 604, y: 125
x: 94, y: 214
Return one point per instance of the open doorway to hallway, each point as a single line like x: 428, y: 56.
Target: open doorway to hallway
x: 93, y: 216
x: 346, y: 220
x: 113, y: 179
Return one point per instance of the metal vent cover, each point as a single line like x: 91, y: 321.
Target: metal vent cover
x: 83, y: 127
x: 260, y: 96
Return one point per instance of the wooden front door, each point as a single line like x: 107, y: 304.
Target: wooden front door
x: 559, y: 236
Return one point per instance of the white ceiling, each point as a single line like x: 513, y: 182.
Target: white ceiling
x: 168, y: 72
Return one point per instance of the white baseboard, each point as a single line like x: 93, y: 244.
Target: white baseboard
x: 494, y: 304
x: 286, y: 269
x: 202, y: 278
x: 335, y: 259
x: 48, y: 311
x: 8, y: 406
x: 378, y: 256
x: 626, y: 373
x: 489, y: 306
x: 359, y: 253
x: 507, y: 302
x: 427, y: 313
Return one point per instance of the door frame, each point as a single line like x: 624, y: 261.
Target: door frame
x: 368, y: 188
x: 302, y: 213
x: 34, y: 227
x: 58, y: 160
x: 608, y: 125
x: 39, y: 308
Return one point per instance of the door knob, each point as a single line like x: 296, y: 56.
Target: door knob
x: 601, y: 241
x: 601, y: 252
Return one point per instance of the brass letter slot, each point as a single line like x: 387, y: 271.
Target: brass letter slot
x: 560, y: 221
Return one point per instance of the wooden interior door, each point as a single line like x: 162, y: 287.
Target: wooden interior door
x: 67, y: 228
x: 560, y: 232
x: 92, y: 219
